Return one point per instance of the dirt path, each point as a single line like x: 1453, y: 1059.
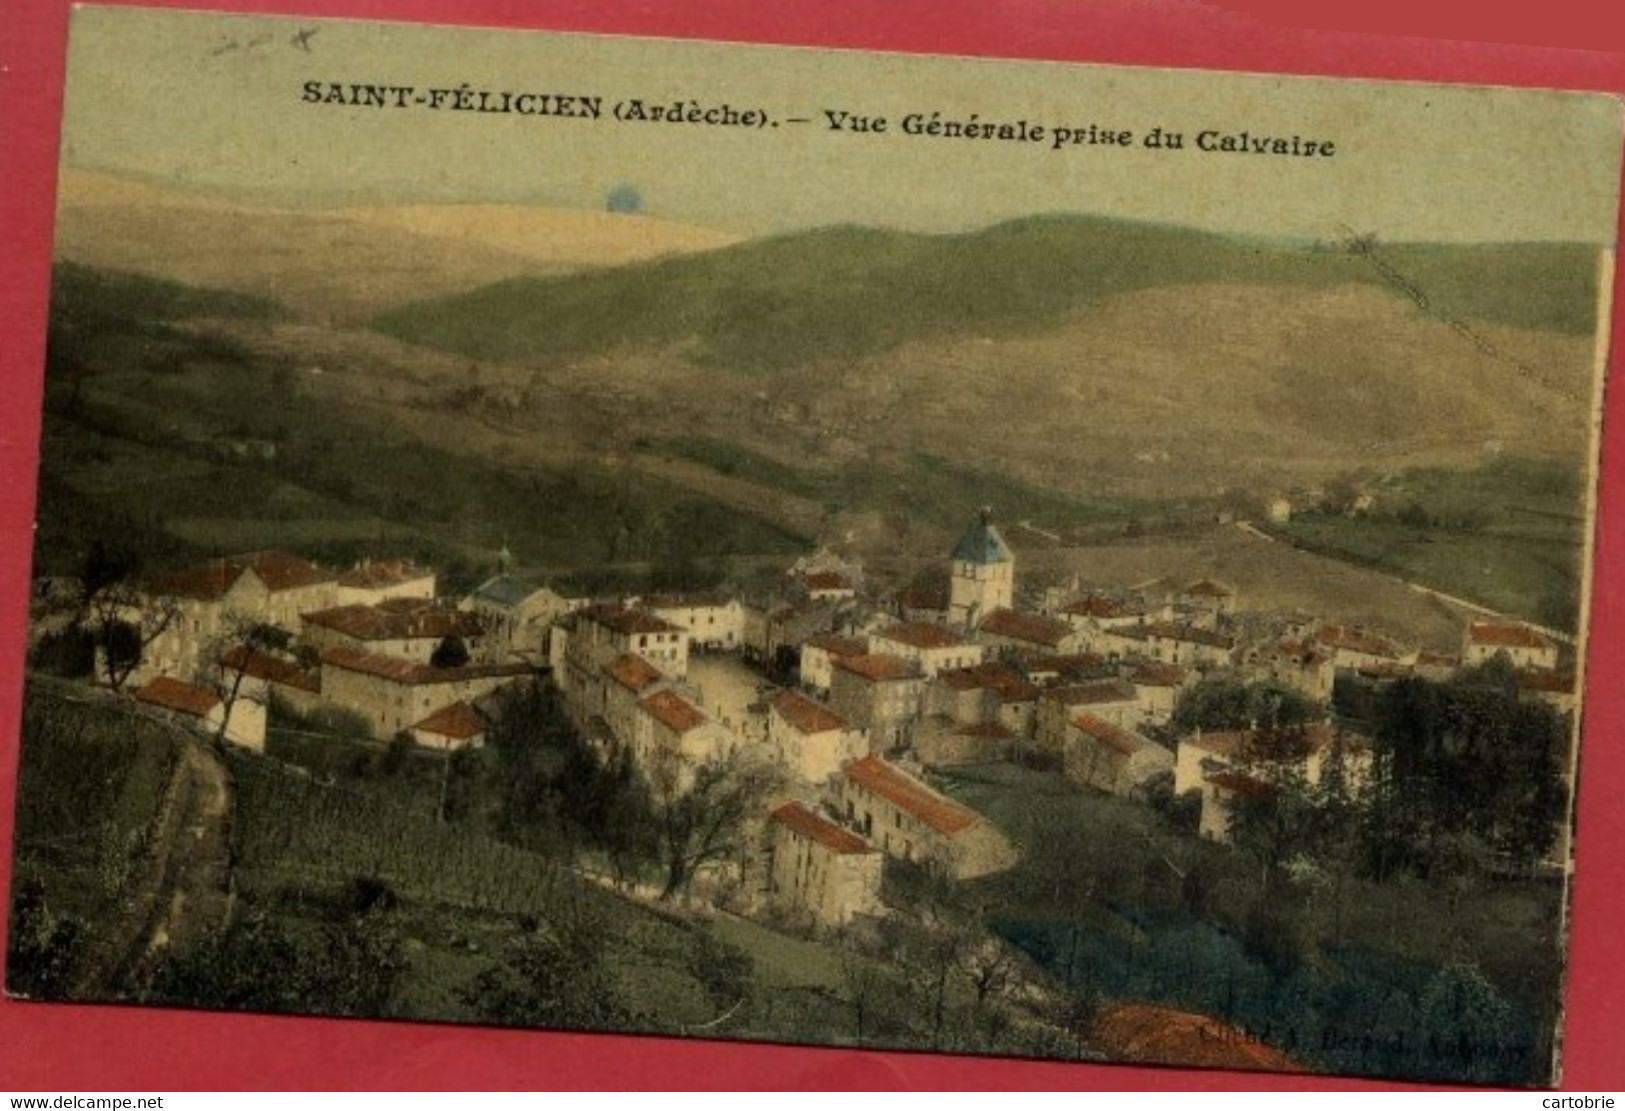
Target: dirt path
x: 182, y: 892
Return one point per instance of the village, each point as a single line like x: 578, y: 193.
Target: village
x: 847, y: 699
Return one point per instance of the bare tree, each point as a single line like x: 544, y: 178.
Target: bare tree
x: 704, y: 813
x: 232, y: 655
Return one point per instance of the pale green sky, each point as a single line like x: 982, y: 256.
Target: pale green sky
x: 214, y: 102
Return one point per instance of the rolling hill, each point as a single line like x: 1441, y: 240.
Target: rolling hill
x: 846, y: 292
x: 343, y: 264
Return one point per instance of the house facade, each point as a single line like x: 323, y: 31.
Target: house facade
x: 819, y: 868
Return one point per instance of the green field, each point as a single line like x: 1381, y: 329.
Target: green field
x: 1509, y: 535
x: 176, y: 448
x: 1107, y: 903
x: 921, y: 487
x: 847, y: 292
x: 89, y: 788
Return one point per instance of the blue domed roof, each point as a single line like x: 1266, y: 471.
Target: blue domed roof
x: 982, y: 544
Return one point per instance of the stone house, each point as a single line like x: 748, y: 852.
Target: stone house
x: 1309, y: 755
x: 714, y: 622
x: 1527, y: 649
x: 392, y: 694
x: 672, y: 737
x: 1157, y: 688
x: 932, y: 648
x: 1112, y: 759
x: 809, y: 739
x: 373, y: 581
x: 518, y: 614
x: 817, y: 654
x: 817, y: 867
x: 1189, y: 645
x: 602, y: 632
x: 1110, y: 700
x: 912, y: 822
x: 213, y: 605
x: 879, y: 694
x: 265, y: 676
x: 407, y: 628
x: 1354, y: 649
x: 1009, y: 632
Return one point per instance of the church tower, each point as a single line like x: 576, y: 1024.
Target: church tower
x: 982, y: 574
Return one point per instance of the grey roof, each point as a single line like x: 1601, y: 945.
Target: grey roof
x: 506, y: 590
x: 982, y: 544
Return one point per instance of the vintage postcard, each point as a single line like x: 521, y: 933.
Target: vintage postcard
x: 819, y: 547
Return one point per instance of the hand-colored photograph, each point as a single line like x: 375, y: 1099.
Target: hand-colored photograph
x: 806, y: 546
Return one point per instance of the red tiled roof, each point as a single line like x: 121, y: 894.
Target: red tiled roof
x: 406, y: 671
x: 1090, y: 694
x: 805, y: 715
x: 1030, y: 627
x: 994, y: 675
x: 922, y: 597
x: 207, y: 581
x: 1437, y: 659
x: 633, y: 672
x: 1079, y: 667
x: 824, y: 580
x: 172, y: 694
x: 798, y: 819
x: 673, y: 711
x: 1492, y: 635
x: 1098, y: 605
x: 837, y: 645
x: 921, y: 634
x: 1318, y: 735
x: 378, y: 574
x: 1207, y: 588
x: 1146, y: 1034
x: 1190, y: 634
x: 1159, y: 675
x: 1107, y: 733
x: 706, y: 600
x: 622, y: 620
x: 459, y: 722
x: 876, y: 667
x: 911, y: 796
x: 1356, y: 640
x: 1545, y: 682
x: 397, y: 619
x: 272, y: 669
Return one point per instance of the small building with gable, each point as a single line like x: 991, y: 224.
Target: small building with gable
x: 1526, y: 648
x: 205, y: 710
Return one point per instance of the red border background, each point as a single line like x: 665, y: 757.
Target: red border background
x: 1567, y: 44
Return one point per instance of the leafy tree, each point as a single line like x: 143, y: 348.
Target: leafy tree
x: 1225, y: 704
x: 1465, y: 756
x: 554, y: 976
x: 43, y: 946
x: 119, y: 619
x: 450, y: 652
x: 266, y: 963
